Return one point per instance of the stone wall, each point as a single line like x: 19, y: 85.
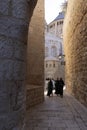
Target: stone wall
x: 34, y: 96
x: 14, y: 21
x: 75, y: 42
x: 35, y: 57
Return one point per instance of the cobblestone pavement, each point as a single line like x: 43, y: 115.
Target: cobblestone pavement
x: 57, y: 113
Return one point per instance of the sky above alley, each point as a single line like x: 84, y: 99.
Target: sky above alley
x: 52, y: 9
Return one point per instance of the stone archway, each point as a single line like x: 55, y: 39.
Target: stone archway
x: 14, y: 21
x: 35, y: 57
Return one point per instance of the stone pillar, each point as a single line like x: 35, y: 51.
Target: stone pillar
x: 75, y: 41
x: 14, y: 20
x: 35, y: 57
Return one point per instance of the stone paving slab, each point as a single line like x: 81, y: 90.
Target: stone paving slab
x: 57, y: 113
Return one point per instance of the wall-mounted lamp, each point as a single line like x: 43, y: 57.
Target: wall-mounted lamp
x: 61, y: 59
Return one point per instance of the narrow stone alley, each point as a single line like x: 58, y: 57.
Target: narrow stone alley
x: 57, y: 113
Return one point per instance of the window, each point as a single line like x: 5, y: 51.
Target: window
x: 62, y: 62
x: 57, y: 23
x: 62, y: 22
x: 54, y: 51
x: 46, y: 65
x: 51, y: 26
x: 54, y: 65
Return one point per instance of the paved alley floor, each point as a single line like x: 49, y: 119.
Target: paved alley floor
x: 57, y: 113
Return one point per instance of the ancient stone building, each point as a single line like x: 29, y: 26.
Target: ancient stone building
x: 75, y: 41
x: 53, y: 48
x: 54, y: 53
x: 56, y: 26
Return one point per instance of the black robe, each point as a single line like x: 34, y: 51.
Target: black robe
x: 57, y: 87
x: 61, y: 87
x: 50, y: 88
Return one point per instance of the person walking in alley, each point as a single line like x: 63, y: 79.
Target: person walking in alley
x: 57, y: 87
x: 53, y: 81
x: 50, y: 88
x: 61, y: 84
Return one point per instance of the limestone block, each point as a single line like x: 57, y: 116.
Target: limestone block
x: 20, y: 9
x: 6, y: 67
x: 15, y: 28
x: 19, y: 50
x: 6, y: 47
x: 19, y: 70
x: 4, y: 7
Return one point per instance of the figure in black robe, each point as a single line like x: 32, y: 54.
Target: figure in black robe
x: 50, y: 88
x: 57, y: 87
x: 61, y: 86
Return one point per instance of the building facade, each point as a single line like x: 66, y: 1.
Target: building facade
x: 54, y: 65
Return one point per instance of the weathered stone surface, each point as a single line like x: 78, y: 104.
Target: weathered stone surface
x: 35, y: 50
x: 19, y: 70
x: 6, y: 47
x: 15, y: 28
x: 12, y: 49
x: 6, y: 67
x: 4, y: 6
x: 56, y: 113
x: 35, y: 57
x: 12, y: 100
x: 75, y: 41
x: 14, y: 20
x: 19, y: 51
x: 20, y: 9
x: 35, y: 95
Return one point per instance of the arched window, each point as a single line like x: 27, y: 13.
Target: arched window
x: 54, y: 51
